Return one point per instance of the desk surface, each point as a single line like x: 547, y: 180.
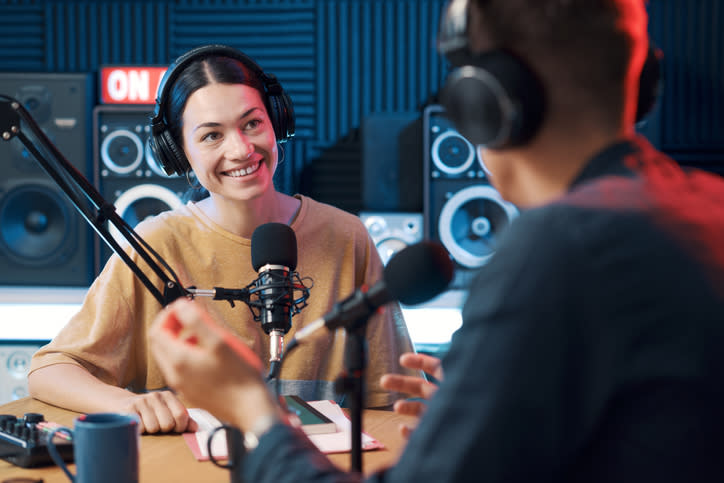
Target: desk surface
x: 167, y: 458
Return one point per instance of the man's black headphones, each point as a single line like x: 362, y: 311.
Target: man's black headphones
x: 169, y: 154
x: 495, y: 99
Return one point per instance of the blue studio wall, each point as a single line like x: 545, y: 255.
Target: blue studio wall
x: 343, y: 59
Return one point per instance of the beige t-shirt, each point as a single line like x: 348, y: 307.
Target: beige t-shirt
x: 108, y: 336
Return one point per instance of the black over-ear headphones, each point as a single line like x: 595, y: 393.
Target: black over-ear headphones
x: 494, y: 99
x: 169, y: 154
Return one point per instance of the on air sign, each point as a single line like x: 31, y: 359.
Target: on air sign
x: 130, y: 84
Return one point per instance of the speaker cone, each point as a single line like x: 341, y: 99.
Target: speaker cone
x: 143, y: 201
x: 34, y: 224
x: 470, y: 223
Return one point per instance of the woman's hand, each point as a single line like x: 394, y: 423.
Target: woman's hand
x: 416, y: 387
x: 159, y: 412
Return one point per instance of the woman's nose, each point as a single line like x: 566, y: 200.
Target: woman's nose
x: 238, y: 146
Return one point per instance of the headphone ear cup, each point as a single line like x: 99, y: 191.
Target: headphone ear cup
x: 168, y: 155
x: 495, y: 101
x: 276, y: 119
x: 281, y: 112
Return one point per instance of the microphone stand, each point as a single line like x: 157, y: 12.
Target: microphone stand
x: 351, y: 382
x: 353, y: 314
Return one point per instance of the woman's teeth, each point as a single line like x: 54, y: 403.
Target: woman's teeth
x: 236, y: 173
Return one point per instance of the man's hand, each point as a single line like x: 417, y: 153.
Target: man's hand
x: 416, y: 387
x: 209, y: 366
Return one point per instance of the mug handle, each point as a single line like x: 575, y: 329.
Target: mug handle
x: 55, y: 455
x: 234, y: 443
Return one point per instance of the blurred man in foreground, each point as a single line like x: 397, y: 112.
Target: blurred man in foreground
x: 591, y: 342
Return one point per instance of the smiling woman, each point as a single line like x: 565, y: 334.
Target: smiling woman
x: 233, y: 151
x: 221, y: 117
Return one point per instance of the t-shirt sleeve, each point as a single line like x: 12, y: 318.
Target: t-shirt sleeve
x: 101, y: 337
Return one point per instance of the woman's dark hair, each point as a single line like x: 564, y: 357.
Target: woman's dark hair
x: 200, y: 73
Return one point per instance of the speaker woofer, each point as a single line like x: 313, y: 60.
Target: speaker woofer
x: 35, y: 224
x: 470, y: 223
x: 141, y: 202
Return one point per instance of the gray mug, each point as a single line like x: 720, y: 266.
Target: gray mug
x: 105, y: 448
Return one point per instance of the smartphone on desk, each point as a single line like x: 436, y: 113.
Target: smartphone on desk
x: 311, y: 420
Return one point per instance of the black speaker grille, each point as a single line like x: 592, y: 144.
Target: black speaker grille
x: 43, y: 238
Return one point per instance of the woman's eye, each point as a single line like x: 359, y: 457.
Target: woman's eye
x: 211, y: 136
x: 253, y: 124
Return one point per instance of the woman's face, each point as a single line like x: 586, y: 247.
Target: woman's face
x: 229, y: 141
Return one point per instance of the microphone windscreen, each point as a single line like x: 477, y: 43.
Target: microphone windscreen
x: 273, y: 243
x: 418, y: 273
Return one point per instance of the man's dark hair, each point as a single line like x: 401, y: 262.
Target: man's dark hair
x: 581, y: 49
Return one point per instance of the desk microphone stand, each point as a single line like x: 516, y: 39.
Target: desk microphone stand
x: 351, y: 383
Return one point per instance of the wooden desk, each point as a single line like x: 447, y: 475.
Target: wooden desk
x: 167, y: 458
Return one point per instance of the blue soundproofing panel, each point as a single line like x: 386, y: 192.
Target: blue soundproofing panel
x: 374, y: 56
x: 22, y: 45
x: 691, y: 37
x: 77, y: 36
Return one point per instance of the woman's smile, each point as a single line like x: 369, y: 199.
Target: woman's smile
x: 243, y: 172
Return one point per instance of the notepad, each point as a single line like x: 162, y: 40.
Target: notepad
x: 339, y: 441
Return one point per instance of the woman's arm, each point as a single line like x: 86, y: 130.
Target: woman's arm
x: 159, y: 411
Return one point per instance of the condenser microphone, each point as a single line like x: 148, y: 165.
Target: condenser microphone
x: 274, y: 257
x: 413, y: 275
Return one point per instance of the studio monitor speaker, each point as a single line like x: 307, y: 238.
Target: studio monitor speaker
x: 462, y: 210
x: 391, y: 232
x: 125, y: 170
x: 44, y: 241
x: 14, y: 366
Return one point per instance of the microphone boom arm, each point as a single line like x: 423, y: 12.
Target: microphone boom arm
x: 73, y: 183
